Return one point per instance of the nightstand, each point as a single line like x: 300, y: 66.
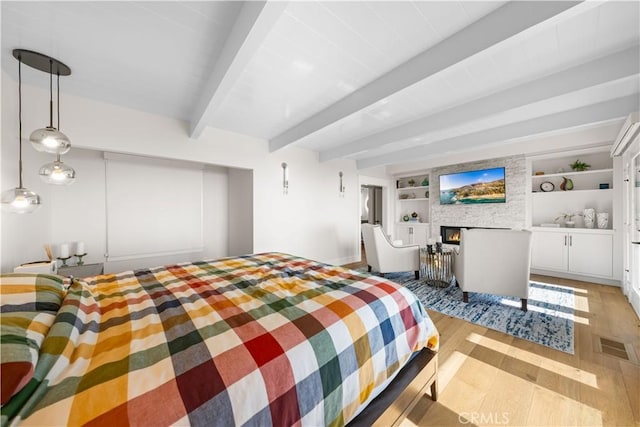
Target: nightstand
x: 80, y: 271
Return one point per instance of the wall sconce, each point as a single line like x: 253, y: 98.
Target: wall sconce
x: 341, y: 188
x: 285, y: 179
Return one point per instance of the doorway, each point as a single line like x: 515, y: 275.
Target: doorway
x: 371, y: 203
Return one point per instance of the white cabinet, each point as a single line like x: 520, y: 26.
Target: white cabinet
x: 412, y: 233
x: 591, y: 254
x: 588, y: 253
x: 549, y: 251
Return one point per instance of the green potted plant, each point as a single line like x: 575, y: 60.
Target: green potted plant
x: 579, y: 166
x: 568, y: 219
x: 411, y: 182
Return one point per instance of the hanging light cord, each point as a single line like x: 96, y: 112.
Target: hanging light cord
x: 20, y: 120
x: 50, y: 92
x: 58, y: 101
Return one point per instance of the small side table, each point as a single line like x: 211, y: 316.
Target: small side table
x: 81, y: 271
x: 437, y: 267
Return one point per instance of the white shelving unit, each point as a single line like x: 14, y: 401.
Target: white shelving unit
x: 412, y: 195
x: 580, y: 252
x: 592, y: 188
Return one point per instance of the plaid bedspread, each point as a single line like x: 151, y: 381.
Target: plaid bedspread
x: 267, y: 339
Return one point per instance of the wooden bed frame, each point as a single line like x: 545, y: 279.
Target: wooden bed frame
x: 393, y: 405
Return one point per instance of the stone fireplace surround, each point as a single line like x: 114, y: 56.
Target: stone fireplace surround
x: 511, y: 214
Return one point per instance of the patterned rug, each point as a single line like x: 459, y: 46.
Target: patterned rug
x: 548, y: 321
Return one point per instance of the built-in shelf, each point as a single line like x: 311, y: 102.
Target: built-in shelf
x: 573, y: 230
x: 414, y: 188
x: 571, y: 174
x: 592, y: 189
x: 601, y: 192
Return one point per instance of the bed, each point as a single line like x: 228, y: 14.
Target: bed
x: 265, y: 339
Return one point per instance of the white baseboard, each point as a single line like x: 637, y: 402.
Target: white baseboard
x: 591, y: 279
x: 344, y: 260
x: 634, y: 299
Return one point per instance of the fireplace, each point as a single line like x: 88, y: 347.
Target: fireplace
x: 451, y: 233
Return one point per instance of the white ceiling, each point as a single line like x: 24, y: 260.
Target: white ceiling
x: 379, y: 82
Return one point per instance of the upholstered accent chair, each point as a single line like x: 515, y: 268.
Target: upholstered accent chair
x: 494, y: 261
x: 384, y: 257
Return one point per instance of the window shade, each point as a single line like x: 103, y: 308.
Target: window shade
x: 154, y: 207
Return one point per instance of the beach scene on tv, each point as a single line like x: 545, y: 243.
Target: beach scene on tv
x: 473, y: 187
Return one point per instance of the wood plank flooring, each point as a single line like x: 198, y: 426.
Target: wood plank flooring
x: 490, y: 378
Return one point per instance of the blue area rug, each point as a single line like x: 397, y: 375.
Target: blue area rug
x: 548, y: 321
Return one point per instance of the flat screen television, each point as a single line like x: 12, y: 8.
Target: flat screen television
x: 473, y: 187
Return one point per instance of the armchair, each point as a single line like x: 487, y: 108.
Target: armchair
x: 384, y: 257
x: 494, y: 261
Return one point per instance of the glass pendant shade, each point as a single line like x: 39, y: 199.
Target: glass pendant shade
x: 19, y: 200
x: 50, y: 140
x: 57, y: 173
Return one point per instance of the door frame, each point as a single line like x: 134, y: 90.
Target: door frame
x: 630, y: 233
x: 386, y: 185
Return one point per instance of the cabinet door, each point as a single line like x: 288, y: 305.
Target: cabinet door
x: 402, y: 233
x: 420, y: 235
x: 591, y: 254
x: 549, y: 250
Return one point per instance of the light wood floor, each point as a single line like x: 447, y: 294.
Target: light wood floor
x: 490, y: 378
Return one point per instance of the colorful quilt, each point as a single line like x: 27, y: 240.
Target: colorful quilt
x: 268, y: 339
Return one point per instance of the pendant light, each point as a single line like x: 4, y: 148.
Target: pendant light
x: 47, y: 139
x: 57, y: 173
x: 19, y: 200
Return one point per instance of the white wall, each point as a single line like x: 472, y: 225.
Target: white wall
x: 77, y: 213
x: 311, y: 221
x: 215, y: 212
x: 240, y: 212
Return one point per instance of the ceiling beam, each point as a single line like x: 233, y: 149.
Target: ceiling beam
x: 490, y: 30
x: 613, y: 109
x: 255, y: 20
x: 612, y: 67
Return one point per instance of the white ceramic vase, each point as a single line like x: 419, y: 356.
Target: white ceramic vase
x: 603, y: 219
x: 589, y: 216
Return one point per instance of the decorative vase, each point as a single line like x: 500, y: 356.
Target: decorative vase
x: 589, y: 217
x: 570, y: 224
x: 566, y: 184
x: 603, y: 219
